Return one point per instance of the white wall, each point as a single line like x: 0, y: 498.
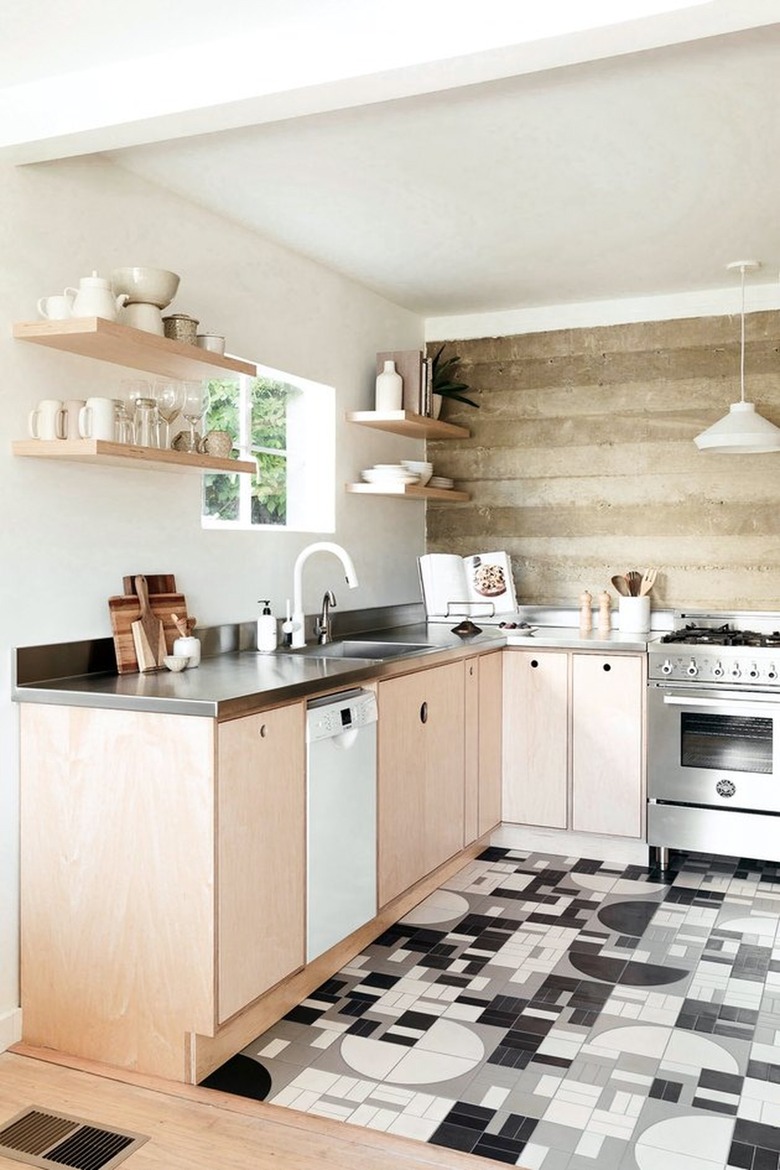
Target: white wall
x: 70, y: 532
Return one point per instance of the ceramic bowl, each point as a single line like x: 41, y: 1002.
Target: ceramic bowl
x: 419, y: 467
x: 176, y: 662
x: 148, y: 286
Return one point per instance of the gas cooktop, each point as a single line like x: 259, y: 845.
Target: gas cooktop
x: 723, y: 635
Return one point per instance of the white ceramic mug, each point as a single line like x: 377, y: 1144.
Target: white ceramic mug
x: 142, y: 316
x: 57, y: 308
x: 71, y: 408
x: 46, y: 421
x: 97, y: 419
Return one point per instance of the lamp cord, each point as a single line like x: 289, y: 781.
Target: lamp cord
x: 742, y: 341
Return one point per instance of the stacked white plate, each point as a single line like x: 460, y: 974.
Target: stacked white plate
x: 390, y: 473
x: 441, y: 481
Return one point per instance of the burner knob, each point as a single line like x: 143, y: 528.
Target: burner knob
x: 771, y: 674
x: 666, y: 667
x: 753, y: 672
x: 692, y: 669
x: 735, y: 672
x: 717, y: 670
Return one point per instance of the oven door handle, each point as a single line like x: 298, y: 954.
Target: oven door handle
x: 743, y: 702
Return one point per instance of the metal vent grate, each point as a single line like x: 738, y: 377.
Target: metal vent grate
x: 53, y: 1140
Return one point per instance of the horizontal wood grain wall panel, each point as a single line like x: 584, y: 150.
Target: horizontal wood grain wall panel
x: 581, y: 461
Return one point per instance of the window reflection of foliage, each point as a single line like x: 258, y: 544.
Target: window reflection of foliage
x: 268, y: 436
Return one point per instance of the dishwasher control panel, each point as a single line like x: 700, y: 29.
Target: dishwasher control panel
x: 336, y: 715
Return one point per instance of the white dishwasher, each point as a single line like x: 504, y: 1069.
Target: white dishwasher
x: 340, y: 817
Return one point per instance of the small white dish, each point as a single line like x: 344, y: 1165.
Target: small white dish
x: 371, y: 476
x: 176, y: 662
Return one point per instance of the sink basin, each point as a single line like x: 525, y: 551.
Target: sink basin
x: 360, y: 649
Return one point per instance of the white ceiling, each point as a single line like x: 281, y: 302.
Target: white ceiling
x: 631, y: 161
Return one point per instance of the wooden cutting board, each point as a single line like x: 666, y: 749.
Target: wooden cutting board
x: 127, y: 609
x: 148, y: 636
x: 155, y: 583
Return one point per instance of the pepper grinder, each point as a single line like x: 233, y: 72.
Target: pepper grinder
x: 586, y: 612
x: 605, y: 612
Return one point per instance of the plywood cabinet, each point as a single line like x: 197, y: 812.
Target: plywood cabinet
x: 483, y: 726
x: 536, y: 736
x: 261, y: 808
x: 574, y: 741
x: 162, y: 876
x: 421, y: 774
x: 607, y: 744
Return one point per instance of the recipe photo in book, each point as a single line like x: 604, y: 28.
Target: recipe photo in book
x: 453, y: 585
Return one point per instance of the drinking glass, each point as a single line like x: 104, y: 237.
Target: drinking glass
x: 169, y: 396
x: 195, y: 403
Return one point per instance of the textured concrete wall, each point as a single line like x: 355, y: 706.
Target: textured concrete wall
x: 581, y: 461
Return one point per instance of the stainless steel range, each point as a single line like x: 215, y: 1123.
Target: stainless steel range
x: 713, y: 723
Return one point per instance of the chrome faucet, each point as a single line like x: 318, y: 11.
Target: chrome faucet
x: 322, y: 625
x: 298, y: 617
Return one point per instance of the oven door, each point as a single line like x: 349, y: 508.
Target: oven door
x: 707, y: 747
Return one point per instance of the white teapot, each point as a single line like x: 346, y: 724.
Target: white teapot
x: 94, y: 298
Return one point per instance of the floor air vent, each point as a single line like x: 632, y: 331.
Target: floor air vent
x: 53, y: 1140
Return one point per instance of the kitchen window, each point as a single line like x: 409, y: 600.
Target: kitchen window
x: 287, y: 425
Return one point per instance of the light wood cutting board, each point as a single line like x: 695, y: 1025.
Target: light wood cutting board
x: 125, y: 610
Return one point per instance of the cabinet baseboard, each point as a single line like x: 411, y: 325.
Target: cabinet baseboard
x: 625, y: 850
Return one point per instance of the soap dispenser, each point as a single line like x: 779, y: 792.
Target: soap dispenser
x: 266, y: 629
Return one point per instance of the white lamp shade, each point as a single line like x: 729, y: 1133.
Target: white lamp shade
x: 741, y: 432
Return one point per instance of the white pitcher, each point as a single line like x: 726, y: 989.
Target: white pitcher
x: 94, y: 298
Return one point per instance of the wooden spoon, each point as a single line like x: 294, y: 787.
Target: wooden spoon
x: 621, y: 585
x: 634, y: 581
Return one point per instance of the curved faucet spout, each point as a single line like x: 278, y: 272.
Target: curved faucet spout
x: 298, y: 617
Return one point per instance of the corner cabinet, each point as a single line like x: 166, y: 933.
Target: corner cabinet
x: 410, y: 426
x: 574, y: 736
x: 134, y: 349
x: 163, y: 868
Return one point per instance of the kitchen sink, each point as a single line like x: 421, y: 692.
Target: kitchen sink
x: 362, y: 649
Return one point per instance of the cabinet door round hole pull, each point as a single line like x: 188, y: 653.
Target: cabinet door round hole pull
x: 424, y: 713
x: 606, y: 666
x: 534, y: 662
x: 263, y: 730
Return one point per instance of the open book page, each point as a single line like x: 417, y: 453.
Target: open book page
x: 477, y: 585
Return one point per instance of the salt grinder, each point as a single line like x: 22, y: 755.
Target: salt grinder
x: 586, y: 612
x: 605, y: 612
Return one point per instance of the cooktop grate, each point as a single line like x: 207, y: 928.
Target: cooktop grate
x: 53, y: 1140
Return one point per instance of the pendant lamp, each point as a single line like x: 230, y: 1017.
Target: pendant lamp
x: 743, y: 431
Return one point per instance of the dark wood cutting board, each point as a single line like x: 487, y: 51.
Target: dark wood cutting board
x: 155, y: 583
x: 125, y: 610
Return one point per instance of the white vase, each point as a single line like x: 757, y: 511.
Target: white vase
x: 389, y: 389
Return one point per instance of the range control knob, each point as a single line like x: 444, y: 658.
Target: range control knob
x: 666, y: 667
x: 692, y: 669
x: 753, y: 672
x: 717, y: 670
x: 771, y: 674
x: 735, y: 672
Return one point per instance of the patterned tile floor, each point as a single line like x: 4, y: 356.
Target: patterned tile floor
x: 555, y: 1013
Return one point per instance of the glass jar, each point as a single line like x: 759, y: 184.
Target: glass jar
x: 147, y: 423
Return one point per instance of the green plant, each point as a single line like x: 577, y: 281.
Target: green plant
x: 444, y: 379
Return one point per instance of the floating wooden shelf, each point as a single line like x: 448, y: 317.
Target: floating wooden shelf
x: 95, y: 337
x: 100, y: 451
x: 409, y: 491
x: 404, y: 422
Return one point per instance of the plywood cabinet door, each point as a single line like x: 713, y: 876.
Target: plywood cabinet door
x: 421, y: 775
x: 490, y: 727
x: 261, y: 849
x: 535, y: 747
x: 607, y: 744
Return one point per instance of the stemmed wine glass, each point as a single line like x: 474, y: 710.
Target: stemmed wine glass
x: 195, y: 403
x: 169, y: 397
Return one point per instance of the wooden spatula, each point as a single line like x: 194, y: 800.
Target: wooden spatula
x: 148, y: 635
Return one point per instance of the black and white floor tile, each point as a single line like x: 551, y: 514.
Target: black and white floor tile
x: 554, y: 1012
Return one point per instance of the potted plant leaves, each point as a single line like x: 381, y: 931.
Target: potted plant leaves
x: 445, y: 382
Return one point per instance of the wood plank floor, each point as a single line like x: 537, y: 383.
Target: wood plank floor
x: 199, y: 1129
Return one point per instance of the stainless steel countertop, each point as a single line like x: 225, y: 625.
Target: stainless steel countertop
x: 238, y: 682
